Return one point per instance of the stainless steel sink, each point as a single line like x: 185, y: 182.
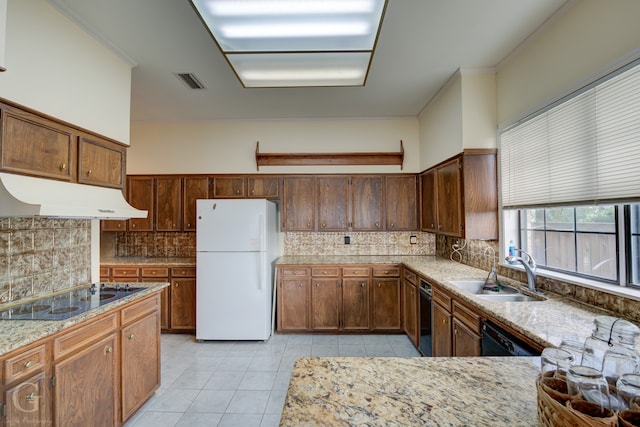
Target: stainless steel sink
x: 504, y: 293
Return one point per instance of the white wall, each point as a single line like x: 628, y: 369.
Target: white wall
x: 479, y: 109
x: 582, y: 42
x: 56, y: 68
x: 229, y: 146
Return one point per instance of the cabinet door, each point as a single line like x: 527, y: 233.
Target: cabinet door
x: 294, y: 304
x: 165, y: 300
x: 228, y: 187
x: 192, y: 190
x: 385, y: 305
x: 298, y: 197
x: 367, y: 197
x: 86, y: 388
x: 410, y: 311
x: 428, y: 218
x: 263, y: 187
x: 101, y: 163
x: 113, y: 224
x: 168, y: 206
x: 140, y: 363
x: 325, y: 304
x: 333, y: 202
x: 466, y: 343
x: 35, y: 146
x: 401, y: 203
x: 355, y: 304
x: 140, y: 195
x: 441, y: 331
x: 449, y: 199
x: 183, y: 304
x: 27, y: 404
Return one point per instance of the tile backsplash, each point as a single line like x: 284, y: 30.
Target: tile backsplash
x: 42, y: 255
x: 155, y: 244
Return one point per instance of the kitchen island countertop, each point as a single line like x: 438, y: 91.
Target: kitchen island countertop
x: 391, y: 391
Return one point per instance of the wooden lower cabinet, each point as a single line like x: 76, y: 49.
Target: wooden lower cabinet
x: 355, y: 304
x: 456, y: 327
x: 410, y: 311
x: 183, y: 304
x: 27, y: 403
x: 385, y: 304
x: 325, y: 304
x: 86, y: 386
x: 294, y: 299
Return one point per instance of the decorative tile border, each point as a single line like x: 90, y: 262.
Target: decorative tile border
x: 361, y: 243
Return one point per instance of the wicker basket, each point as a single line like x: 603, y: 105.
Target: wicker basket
x: 629, y: 419
x: 557, y: 409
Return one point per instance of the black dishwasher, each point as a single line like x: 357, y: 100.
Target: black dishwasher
x: 498, y: 342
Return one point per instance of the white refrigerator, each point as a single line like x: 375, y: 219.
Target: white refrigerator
x: 237, y: 243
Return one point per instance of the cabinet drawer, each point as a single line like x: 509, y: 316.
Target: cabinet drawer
x: 24, y: 364
x: 69, y: 342
x: 410, y: 277
x: 441, y: 298
x: 386, y: 271
x: 140, y: 308
x: 125, y: 271
x: 155, y: 272
x: 104, y: 271
x: 356, y: 271
x: 294, y: 271
x: 183, y: 272
x: 325, y: 271
x: 467, y: 317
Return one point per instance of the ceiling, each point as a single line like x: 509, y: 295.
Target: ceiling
x: 421, y: 45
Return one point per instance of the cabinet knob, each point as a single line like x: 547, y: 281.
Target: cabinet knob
x: 29, y: 363
x: 324, y: 272
x: 63, y: 167
x: 301, y: 284
x: 378, y: 284
x: 89, y: 172
x: 131, y: 336
x: 392, y: 225
x: 362, y: 284
x: 177, y: 285
x: 386, y: 272
x: 31, y: 397
x: 324, y: 225
x: 253, y: 192
x: 153, y: 272
x: 377, y: 224
x: 133, y: 225
x: 317, y: 285
x: 431, y: 225
x: 237, y: 191
x: 189, y: 225
x: 108, y: 350
x: 119, y: 225
x: 444, y: 321
x: 308, y: 224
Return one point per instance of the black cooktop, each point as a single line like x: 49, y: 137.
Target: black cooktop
x: 68, y: 304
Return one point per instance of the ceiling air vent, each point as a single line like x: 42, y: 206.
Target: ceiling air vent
x: 190, y: 80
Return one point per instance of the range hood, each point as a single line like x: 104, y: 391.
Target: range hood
x: 27, y: 196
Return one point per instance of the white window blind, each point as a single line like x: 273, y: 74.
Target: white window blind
x: 585, y: 150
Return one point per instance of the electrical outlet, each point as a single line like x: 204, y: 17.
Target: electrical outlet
x: 347, y: 240
x: 413, y: 240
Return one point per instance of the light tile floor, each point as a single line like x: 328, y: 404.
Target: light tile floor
x: 243, y: 383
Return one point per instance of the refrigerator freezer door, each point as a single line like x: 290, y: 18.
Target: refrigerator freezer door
x: 233, y: 296
x: 230, y: 225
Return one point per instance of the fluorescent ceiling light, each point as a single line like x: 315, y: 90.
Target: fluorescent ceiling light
x: 307, y: 30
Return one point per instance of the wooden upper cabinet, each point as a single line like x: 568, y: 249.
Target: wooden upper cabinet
x: 193, y: 188
x: 168, y: 206
x: 297, y: 203
x: 449, y: 199
x: 333, y: 202
x: 428, y: 216
x: 35, y: 146
x: 367, y: 203
x: 101, y: 163
x: 401, y: 203
x: 263, y: 187
x: 140, y: 196
x: 231, y: 187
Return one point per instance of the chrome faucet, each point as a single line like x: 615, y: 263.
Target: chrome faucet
x: 529, y: 266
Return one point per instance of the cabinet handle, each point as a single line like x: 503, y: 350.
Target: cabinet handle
x: 63, y: 167
x: 386, y: 272
x: 392, y: 225
x: 133, y: 225
x: 378, y: 284
x: 108, y: 350
x: 431, y: 225
x: 317, y: 285
x: 253, y: 192
x: 153, y: 272
x: 324, y: 225
x: 29, y: 363
x: 237, y: 191
x: 362, y: 284
x: 189, y: 225
x: 30, y: 397
x: 89, y: 172
x: 131, y: 336
x: 444, y: 321
x: 308, y: 224
x: 177, y: 285
x: 301, y: 284
x: 377, y: 224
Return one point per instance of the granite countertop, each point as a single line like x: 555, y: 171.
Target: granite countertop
x: 141, y: 260
x: 390, y: 391
x: 546, y: 322
x: 17, y: 333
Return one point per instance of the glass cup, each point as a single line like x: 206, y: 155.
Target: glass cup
x: 616, y: 363
x: 629, y: 391
x: 589, y: 384
x: 576, y: 348
x: 555, y: 362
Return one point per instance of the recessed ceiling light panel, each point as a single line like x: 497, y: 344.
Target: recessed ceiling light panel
x: 273, y: 27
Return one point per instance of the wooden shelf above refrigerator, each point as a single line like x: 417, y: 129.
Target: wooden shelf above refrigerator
x: 324, y: 159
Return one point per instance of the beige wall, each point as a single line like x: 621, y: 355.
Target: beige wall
x: 55, y: 67
x: 478, y: 109
x: 579, y: 44
x: 229, y: 146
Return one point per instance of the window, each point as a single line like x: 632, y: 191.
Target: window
x: 569, y: 181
